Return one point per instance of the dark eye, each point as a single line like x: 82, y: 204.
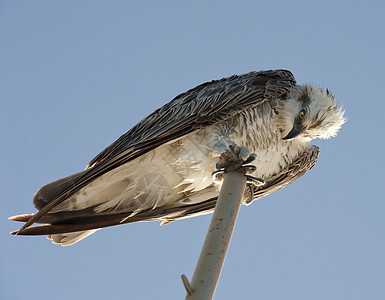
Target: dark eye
x: 302, y: 114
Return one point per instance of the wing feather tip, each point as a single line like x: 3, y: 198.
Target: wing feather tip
x: 21, y: 218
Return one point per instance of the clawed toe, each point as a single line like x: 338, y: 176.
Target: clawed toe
x: 240, y: 153
x: 217, y: 175
x: 251, y: 180
x: 250, y: 158
x: 238, y: 158
x: 235, y: 158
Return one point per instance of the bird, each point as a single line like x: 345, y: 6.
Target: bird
x: 168, y: 166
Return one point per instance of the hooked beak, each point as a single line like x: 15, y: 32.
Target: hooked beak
x: 294, y: 132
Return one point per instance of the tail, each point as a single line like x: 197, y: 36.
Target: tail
x: 51, y: 195
x: 69, y: 229
x: 64, y: 239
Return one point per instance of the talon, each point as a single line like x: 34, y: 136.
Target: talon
x: 251, y: 190
x: 218, y: 167
x: 231, y: 147
x: 217, y: 175
x: 254, y: 180
x: 248, y: 168
x: 237, y: 158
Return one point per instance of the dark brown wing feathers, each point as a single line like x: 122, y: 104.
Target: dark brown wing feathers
x: 199, y: 107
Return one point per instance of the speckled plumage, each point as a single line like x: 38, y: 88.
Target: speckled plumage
x: 161, y: 168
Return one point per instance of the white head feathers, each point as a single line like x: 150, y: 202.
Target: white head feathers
x: 324, y: 118
x: 312, y: 111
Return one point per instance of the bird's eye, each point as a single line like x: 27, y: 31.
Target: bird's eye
x: 301, y: 114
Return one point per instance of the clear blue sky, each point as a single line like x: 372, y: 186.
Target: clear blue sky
x: 75, y: 75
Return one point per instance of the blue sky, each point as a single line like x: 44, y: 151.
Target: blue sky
x: 75, y: 75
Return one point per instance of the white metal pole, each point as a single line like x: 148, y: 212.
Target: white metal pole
x: 213, y: 253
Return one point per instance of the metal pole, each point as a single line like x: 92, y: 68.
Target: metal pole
x: 213, y: 253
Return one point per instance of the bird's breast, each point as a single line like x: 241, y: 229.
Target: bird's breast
x: 256, y: 129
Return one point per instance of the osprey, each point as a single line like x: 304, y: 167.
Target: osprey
x: 162, y: 168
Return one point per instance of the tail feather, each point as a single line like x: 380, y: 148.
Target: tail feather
x: 66, y: 228
x: 69, y: 231
x: 21, y: 218
x: 68, y: 239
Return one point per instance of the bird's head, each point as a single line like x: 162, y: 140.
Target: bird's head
x: 309, y: 112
